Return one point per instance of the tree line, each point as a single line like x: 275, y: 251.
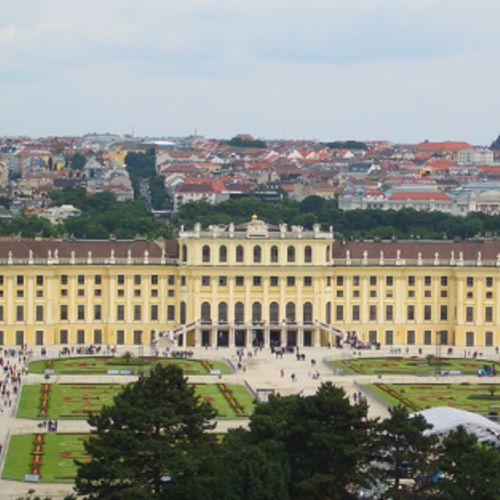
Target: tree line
x: 155, y: 442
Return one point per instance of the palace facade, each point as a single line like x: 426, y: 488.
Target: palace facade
x: 249, y: 285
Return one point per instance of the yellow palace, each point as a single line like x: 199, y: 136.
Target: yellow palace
x: 248, y: 285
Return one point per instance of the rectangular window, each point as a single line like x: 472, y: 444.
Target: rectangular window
x: 154, y: 292
x: 19, y: 337
x: 410, y: 312
x: 205, y: 281
x: 411, y: 280
x: 20, y: 293
x: 120, y: 337
x: 470, y: 281
x: 257, y: 281
x: 63, y: 312
x: 488, y: 314
x: 39, y: 280
x: 340, y: 281
x: 1, y: 313
x: 373, y: 280
x: 137, y: 312
x: 120, y: 279
x: 339, y: 312
x: 137, y: 292
x: 80, y: 336
x: 120, y: 292
x: 410, y: 337
x: 444, y: 294
x: 328, y: 281
x: 20, y: 280
x: 81, y: 292
x: 427, y: 280
x: 340, y: 293
x: 171, y: 279
x: 373, y: 293
x: 372, y: 337
x: 389, y: 281
x: 222, y: 280
x: 170, y: 313
x: 308, y: 280
x: 373, y: 312
x: 39, y: 294
x: 170, y: 293
x: 489, y: 281
x: 98, y: 279
x: 389, y: 312
x: 273, y: 281
x: 154, y: 279
x: 19, y: 313
x: 489, y: 295
x: 469, y: 339
x: 469, y: 314
x: 137, y: 279
x: 443, y: 313
x: 2, y: 339
x: 120, y: 312
x: 39, y: 337
x: 290, y: 281
x: 427, y: 293
x: 488, y: 339
x: 389, y: 337
x: 355, y: 281
x: 97, y: 336
x: 427, y: 312
x: 64, y: 279
x: 137, y: 337
x: 240, y: 280
x: 427, y: 337
x: 97, y: 312
x: 97, y: 292
x: 444, y: 280
x: 183, y: 281
x: 355, y: 312
x: 39, y: 313
x: 80, y: 312
x: 63, y: 336
x: 154, y: 312
x: 81, y: 279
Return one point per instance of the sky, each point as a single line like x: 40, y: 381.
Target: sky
x: 400, y: 70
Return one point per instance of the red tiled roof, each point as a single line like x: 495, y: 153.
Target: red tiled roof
x: 420, y: 195
x: 443, y: 146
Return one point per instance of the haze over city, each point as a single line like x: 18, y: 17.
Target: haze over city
x: 403, y: 71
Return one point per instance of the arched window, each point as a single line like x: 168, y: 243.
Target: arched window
x: 329, y: 313
x: 182, y: 318
x: 184, y: 253
x: 256, y: 311
x: 290, y: 254
x: 239, y: 312
x: 290, y: 312
x: 308, y: 254
x: 205, y: 311
x: 240, y: 254
x: 274, y: 253
x: 257, y: 253
x: 274, y: 312
x: 205, y: 253
x: 307, y: 312
x: 223, y: 253
x: 222, y: 311
x: 328, y: 253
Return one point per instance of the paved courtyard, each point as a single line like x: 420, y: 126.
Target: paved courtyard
x: 259, y: 369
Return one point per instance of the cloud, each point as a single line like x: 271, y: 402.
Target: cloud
x: 302, y: 68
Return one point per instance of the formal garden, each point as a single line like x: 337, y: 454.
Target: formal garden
x: 51, y: 456
x: 478, y: 398
x: 98, y: 365
x: 429, y: 365
x: 76, y: 401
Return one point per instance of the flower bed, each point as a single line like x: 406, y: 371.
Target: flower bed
x: 44, y: 400
x: 36, y: 461
x: 398, y: 396
x: 238, y: 410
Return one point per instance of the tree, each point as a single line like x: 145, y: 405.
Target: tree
x: 324, y: 437
x: 148, y: 444
x: 470, y: 469
x: 403, y: 452
x: 78, y: 161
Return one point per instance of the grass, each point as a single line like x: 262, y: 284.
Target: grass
x: 75, y: 401
x: 410, y: 366
x: 417, y: 397
x: 94, y: 365
x: 59, y: 451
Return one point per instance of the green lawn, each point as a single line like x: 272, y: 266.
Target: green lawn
x: 75, y: 401
x: 59, y: 451
x: 416, y: 397
x: 410, y: 366
x: 101, y: 364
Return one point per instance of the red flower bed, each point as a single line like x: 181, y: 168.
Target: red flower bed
x: 238, y: 410
x: 37, y: 453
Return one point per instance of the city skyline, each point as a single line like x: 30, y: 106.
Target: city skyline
x: 369, y: 70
